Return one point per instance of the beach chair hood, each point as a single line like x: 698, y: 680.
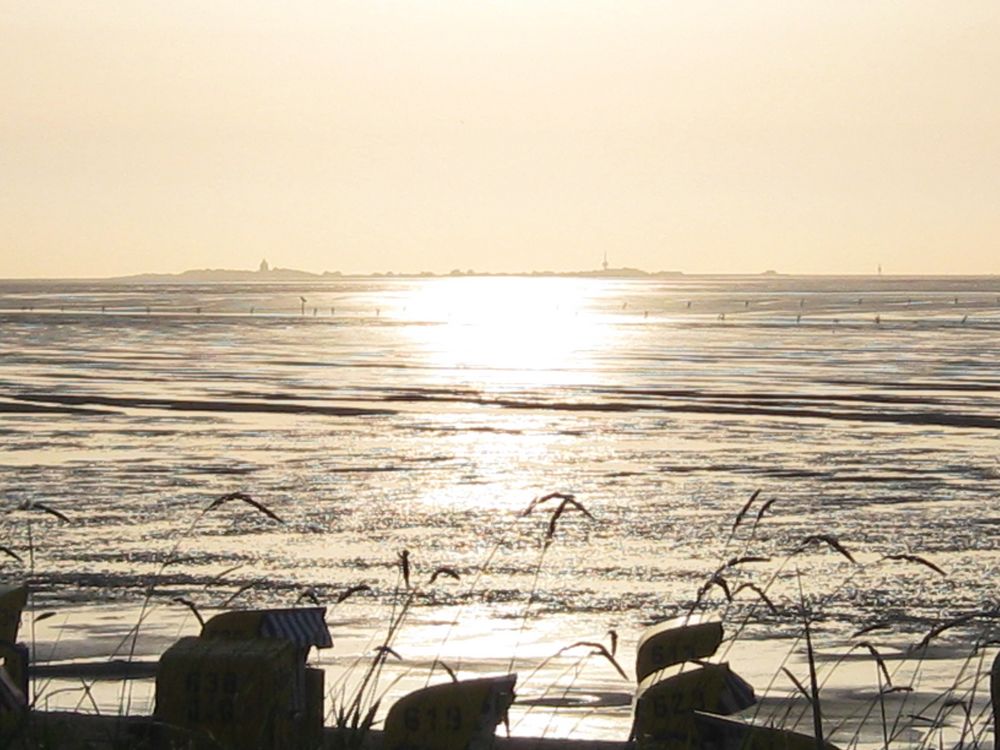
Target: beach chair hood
x: 303, y: 626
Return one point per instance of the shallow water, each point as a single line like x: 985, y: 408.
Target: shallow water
x: 426, y: 414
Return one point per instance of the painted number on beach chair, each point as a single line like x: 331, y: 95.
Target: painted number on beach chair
x: 451, y: 716
x: 665, y: 704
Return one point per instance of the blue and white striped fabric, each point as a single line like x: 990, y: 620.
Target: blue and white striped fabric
x: 304, y: 626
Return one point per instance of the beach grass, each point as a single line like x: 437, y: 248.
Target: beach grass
x: 898, y: 711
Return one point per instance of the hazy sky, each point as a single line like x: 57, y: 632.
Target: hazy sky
x: 499, y: 135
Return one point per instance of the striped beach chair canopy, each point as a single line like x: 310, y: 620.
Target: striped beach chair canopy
x: 303, y: 626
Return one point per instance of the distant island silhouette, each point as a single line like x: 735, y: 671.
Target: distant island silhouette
x: 267, y: 273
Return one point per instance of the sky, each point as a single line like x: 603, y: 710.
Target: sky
x: 499, y: 135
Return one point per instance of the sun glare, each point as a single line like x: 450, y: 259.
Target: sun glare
x: 516, y: 331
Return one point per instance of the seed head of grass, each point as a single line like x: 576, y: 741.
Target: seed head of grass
x: 446, y: 668
x: 192, y: 606
x: 449, y: 572
x: 243, y: 497
x: 309, y: 595
x: 760, y: 595
x: 918, y: 560
x: 544, y: 499
x: 34, y: 505
x: 351, y: 591
x: 716, y: 580
x: 878, y: 660
x: 383, y: 652
x: 597, y: 649
x: 743, y: 511
x: 763, y: 509
x: 613, y: 635
x: 942, y: 627
x: 404, y: 566
x: 798, y: 685
x: 829, y: 540
x: 566, y: 503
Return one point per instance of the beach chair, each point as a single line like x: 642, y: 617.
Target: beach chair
x: 675, y: 641
x: 460, y: 715
x: 244, y: 682
x: 666, y: 702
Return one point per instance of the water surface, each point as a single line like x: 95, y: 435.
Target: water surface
x: 425, y: 414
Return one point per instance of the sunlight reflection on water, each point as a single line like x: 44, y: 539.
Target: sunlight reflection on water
x: 510, y: 332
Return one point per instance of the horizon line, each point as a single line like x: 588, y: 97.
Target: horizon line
x: 274, y: 274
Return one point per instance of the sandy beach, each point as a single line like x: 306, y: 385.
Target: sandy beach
x: 568, y: 696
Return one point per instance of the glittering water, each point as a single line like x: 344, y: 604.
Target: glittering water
x: 383, y: 414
